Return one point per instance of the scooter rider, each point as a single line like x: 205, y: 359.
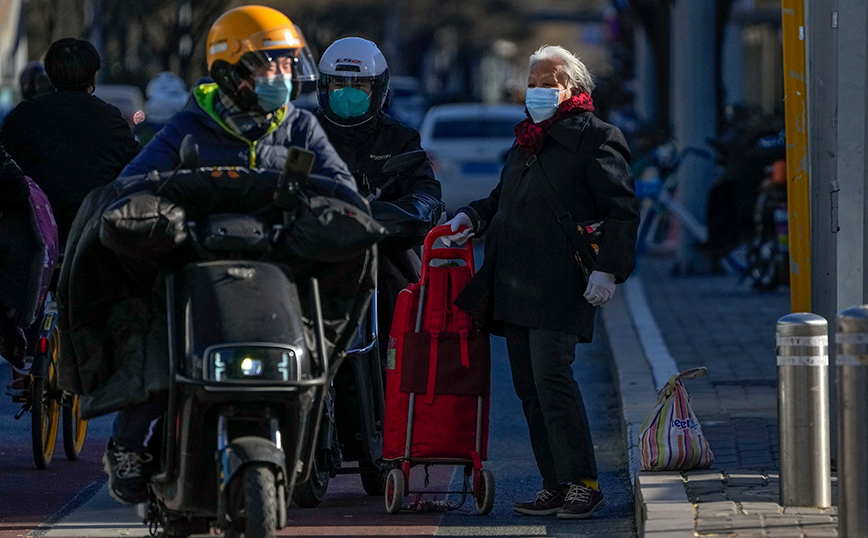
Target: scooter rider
x: 257, y: 58
x: 352, y: 89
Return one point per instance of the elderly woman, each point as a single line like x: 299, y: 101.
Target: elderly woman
x: 567, y: 167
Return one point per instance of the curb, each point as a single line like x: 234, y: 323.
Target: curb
x: 643, y: 363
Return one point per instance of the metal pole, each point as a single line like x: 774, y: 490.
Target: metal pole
x: 798, y: 171
x: 694, y: 91
x: 821, y: 17
x: 852, y: 366
x: 803, y: 410
x: 851, y: 155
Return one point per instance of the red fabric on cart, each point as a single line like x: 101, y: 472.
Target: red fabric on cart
x: 445, y: 426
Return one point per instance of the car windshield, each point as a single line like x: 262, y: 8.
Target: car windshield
x: 475, y: 128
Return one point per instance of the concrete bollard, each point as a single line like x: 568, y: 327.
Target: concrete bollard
x: 803, y: 410
x: 852, y: 368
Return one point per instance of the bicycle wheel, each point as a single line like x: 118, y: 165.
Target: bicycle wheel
x: 74, y: 428
x: 45, y: 414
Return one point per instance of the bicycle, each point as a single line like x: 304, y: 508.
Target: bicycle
x: 660, y: 208
x: 656, y: 193
x: 50, y: 408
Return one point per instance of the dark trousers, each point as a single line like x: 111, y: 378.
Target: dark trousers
x: 541, y: 362
x: 137, y: 427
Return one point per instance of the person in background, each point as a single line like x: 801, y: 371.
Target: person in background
x: 353, y: 85
x: 167, y: 94
x: 530, y: 282
x: 34, y: 81
x: 68, y: 141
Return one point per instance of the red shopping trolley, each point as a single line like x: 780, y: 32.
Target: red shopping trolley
x: 438, y: 380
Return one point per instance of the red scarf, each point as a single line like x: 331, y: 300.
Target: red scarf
x: 529, y: 134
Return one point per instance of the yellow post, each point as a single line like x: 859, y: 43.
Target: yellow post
x: 798, y: 177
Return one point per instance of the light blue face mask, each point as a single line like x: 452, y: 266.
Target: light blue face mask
x: 349, y: 102
x: 541, y: 103
x: 273, y: 92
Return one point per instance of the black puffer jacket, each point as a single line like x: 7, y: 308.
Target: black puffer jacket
x: 410, y: 206
x: 528, y: 256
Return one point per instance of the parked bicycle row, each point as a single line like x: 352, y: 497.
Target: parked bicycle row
x: 744, y: 224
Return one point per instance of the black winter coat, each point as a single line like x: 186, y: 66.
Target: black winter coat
x: 408, y: 207
x: 68, y: 142
x: 528, y: 256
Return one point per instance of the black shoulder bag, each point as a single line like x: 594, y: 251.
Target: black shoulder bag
x: 584, y: 236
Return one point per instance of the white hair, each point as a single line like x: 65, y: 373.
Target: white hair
x: 577, y: 74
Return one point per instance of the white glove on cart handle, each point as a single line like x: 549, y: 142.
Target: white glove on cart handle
x: 458, y: 221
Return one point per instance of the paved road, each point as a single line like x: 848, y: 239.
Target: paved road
x: 69, y: 500
x: 28, y: 496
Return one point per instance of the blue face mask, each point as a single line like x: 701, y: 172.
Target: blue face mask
x: 541, y: 103
x: 349, y: 102
x: 273, y: 92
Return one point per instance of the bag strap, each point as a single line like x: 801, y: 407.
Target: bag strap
x: 460, y: 318
x: 693, y: 373
x: 436, y: 324
x: 583, y: 250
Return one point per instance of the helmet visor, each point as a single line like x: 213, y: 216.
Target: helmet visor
x: 284, y: 48
x: 336, y: 82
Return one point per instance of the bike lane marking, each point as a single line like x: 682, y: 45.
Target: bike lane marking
x: 30, y: 497
x: 98, y: 516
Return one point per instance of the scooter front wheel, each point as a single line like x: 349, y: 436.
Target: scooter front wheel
x: 259, y: 511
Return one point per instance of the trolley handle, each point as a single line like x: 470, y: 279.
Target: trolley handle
x: 464, y: 252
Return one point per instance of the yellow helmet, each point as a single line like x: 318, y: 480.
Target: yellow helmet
x: 247, y: 37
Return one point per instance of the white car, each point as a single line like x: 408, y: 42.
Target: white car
x: 466, y: 144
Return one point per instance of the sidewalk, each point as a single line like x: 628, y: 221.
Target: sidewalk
x: 659, y: 325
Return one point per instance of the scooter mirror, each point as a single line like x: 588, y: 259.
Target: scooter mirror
x: 189, y: 153
x: 404, y: 162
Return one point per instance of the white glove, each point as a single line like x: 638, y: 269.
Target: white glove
x: 459, y: 220
x: 601, y: 288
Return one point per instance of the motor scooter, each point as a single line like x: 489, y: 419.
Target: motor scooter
x: 252, y: 348
x: 354, y: 411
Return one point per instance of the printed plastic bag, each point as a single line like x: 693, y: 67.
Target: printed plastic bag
x: 671, y: 438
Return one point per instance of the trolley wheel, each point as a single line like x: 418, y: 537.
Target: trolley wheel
x: 484, y: 501
x: 394, y: 491
x: 74, y: 428
x: 44, y: 414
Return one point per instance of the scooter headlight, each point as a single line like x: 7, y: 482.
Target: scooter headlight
x: 253, y: 363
